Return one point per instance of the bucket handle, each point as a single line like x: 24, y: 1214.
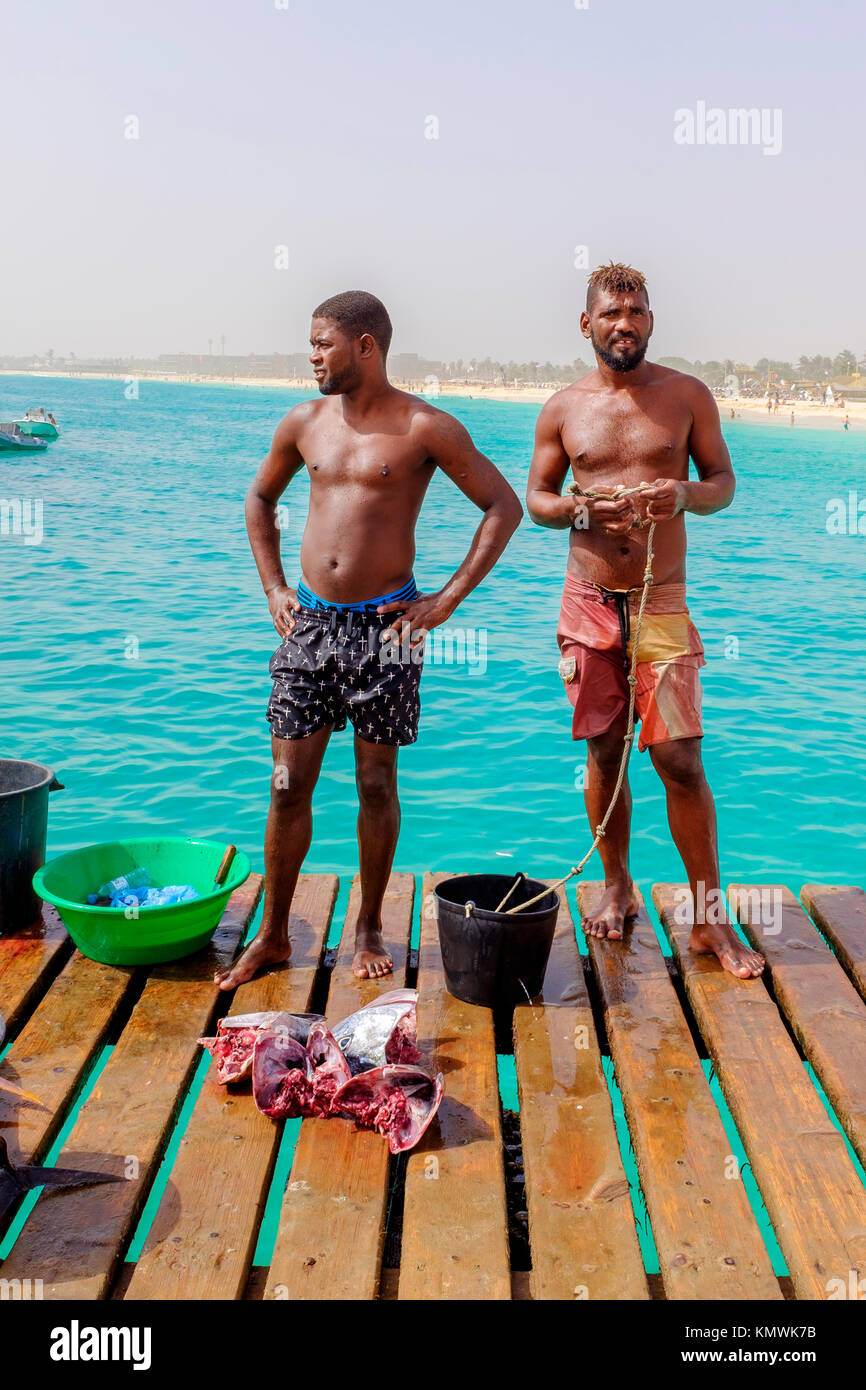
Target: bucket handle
x: 54, y: 785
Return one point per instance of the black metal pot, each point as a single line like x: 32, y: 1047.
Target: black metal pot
x: 24, y: 789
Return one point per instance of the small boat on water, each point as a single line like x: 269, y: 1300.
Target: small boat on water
x: 39, y: 423
x: 14, y: 440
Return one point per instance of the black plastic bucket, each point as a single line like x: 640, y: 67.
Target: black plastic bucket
x: 489, y: 957
x: 24, y: 789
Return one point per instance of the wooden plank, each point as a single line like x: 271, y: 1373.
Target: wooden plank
x: 840, y: 913
x: 73, y: 1240
x: 581, y: 1224
x: 202, y: 1240
x: 455, y: 1241
x: 825, y: 1011
x: 332, y: 1222
x: 27, y: 961
x: 811, y: 1190
x: 708, y: 1241
x: 54, y: 1049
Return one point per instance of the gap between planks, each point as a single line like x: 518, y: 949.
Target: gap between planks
x: 74, y: 1241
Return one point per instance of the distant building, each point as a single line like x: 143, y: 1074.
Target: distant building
x: 409, y: 366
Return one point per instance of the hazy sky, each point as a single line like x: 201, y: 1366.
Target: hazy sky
x: 306, y: 126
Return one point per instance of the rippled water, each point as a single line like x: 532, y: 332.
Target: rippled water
x: 136, y: 640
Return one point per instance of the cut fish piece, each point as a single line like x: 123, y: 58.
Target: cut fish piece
x: 385, y: 1030
x: 232, y: 1048
x: 398, y: 1101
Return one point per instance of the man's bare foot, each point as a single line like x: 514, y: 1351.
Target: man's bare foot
x: 618, y: 905
x: 721, y: 939
x: 371, y: 957
x: 262, y: 951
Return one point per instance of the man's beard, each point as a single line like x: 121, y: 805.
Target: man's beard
x: 620, y: 362
x: 337, y: 383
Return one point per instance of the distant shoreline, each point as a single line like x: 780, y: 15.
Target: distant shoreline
x: 806, y: 413
x: 527, y: 394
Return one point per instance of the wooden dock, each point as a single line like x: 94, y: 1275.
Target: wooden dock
x: 113, y: 1054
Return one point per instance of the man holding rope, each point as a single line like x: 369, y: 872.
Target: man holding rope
x: 629, y: 428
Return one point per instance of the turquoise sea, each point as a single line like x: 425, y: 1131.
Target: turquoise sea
x: 136, y: 640
x: 135, y: 643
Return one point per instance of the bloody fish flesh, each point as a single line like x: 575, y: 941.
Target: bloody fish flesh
x: 398, y: 1101
x: 367, y: 1067
x: 233, y: 1046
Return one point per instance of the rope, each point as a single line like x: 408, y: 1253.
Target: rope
x: 520, y: 876
x: 622, y: 491
x: 628, y: 740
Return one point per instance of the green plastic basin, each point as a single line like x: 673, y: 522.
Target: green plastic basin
x: 157, y: 934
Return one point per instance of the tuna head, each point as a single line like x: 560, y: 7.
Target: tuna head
x: 384, y: 1031
x: 232, y: 1048
x: 398, y: 1101
x: 281, y: 1074
x: 328, y: 1065
x: 290, y: 1079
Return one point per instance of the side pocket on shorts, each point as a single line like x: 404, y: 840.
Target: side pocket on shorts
x: 276, y: 655
x: 567, y: 668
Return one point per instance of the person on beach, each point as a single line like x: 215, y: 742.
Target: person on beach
x: 352, y: 631
x: 630, y: 422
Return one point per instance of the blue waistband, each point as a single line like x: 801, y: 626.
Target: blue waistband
x: 308, y: 599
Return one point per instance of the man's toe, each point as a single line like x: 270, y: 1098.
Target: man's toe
x: 738, y: 967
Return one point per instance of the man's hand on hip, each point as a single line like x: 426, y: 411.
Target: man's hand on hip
x: 283, y: 603
x: 417, y: 617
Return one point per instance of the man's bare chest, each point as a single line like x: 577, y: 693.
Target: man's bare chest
x: 338, y: 459
x: 602, y: 437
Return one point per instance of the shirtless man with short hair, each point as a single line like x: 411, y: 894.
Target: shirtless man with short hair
x: 352, y: 631
x: 629, y: 422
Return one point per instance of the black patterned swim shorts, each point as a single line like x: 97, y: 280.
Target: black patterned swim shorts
x: 336, y: 664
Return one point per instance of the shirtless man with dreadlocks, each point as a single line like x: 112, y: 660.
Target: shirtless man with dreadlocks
x: 631, y: 422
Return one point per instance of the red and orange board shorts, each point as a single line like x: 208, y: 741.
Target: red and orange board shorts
x: 595, y: 644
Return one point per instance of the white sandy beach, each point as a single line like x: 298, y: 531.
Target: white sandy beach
x: 809, y: 414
